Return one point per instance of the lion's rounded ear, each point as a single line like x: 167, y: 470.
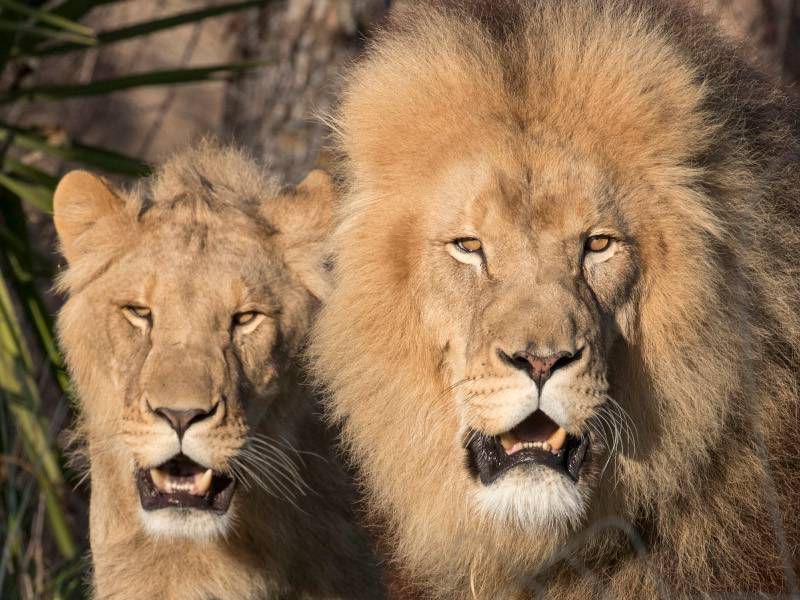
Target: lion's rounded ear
x: 81, y: 200
x: 305, y: 219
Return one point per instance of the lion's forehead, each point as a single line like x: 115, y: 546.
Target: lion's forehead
x: 223, y: 266
x: 237, y: 237
x: 546, y: 193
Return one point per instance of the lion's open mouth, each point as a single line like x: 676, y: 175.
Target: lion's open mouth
x: 182, y: 483
x: 537, y: 440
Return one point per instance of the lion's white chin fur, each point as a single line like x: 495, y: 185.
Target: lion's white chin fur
x: 186, y: 524
x: 533, y: 498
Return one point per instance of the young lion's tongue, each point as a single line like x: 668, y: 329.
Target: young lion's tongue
x: 537, y: 431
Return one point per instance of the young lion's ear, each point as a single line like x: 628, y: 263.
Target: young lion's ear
x: 305, y: 220
x: 81, y: 200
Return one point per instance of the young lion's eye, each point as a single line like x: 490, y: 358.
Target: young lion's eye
x: 244, y: 318
x: 247, y: 321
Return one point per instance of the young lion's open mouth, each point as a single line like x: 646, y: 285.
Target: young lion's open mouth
x: 537, y: 440
x: 182, y: 483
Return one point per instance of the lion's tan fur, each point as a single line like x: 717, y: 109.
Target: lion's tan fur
x: 706, y: 154
x: 184, y: 241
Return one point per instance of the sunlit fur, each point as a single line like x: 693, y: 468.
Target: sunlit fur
x: 534, y: 121
x: 207, y: 236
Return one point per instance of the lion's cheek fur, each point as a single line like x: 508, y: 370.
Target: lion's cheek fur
x: 673, y: 374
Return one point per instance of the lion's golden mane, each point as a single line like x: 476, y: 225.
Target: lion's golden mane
x: 707, y: 500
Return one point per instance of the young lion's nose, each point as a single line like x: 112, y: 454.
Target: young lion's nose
x: 181, y: 420
x: 540, y: 368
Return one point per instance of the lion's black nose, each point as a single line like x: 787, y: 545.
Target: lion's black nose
x: 540, y: 368
x: 181, y: 420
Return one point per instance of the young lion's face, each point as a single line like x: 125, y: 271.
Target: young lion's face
x: 180, y: 346
x: 194, y: 325
x: 530, y: 265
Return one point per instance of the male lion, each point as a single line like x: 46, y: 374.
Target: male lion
x: 189, y: 299
x: 564, y: 333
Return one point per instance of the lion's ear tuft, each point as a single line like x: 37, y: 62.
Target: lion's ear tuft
x: 304, y: 217
x: 79, y: 202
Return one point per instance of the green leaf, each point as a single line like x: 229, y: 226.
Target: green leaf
x: 47, y: 17
x: 8, y: 42
x: 29, y: 172
x: 75, y: 9
x: 63, y: 36
x: 10, y: 240
x: 154, y: 78
x: 23, y: 271
x: 90, y: 156
x: 148, y: 27
x: 39, y: 196
x: 20, y: 394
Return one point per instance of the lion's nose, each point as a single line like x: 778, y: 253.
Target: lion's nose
x: 540, y: 368
x: 181, y: 420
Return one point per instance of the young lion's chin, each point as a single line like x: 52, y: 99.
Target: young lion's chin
x: 186, y: 524
x: 533, y: 498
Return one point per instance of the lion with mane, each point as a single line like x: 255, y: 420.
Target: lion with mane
x: 189, y: 299
x: 564, y: 332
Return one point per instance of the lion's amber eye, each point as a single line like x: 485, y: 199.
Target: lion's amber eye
x: 244, y: 318
x: 470, y: 245
x: 140, y: 312
x: 247, y: 321
x: 139, y: 316
x: 598, y: 243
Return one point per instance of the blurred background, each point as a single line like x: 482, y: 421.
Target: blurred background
x: 114, y: 86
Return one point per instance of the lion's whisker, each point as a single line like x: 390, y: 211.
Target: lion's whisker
x: 291, y: 477
x: 275, y: 462
x: 264, y: 481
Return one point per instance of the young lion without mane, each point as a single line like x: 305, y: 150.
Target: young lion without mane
x: 564, y: 334
x: 189, y: 300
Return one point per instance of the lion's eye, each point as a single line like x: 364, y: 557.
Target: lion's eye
x: 139, y: 316
x: 598, y: 249
x: 243, y: 318
x: 247, y: 321
x: 467, y: 250
x: 598, y: 243
x: 469, y: 245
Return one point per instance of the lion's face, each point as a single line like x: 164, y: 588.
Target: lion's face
x: 194, y: 360
x: 530, y: 277
x: 194, y: 322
